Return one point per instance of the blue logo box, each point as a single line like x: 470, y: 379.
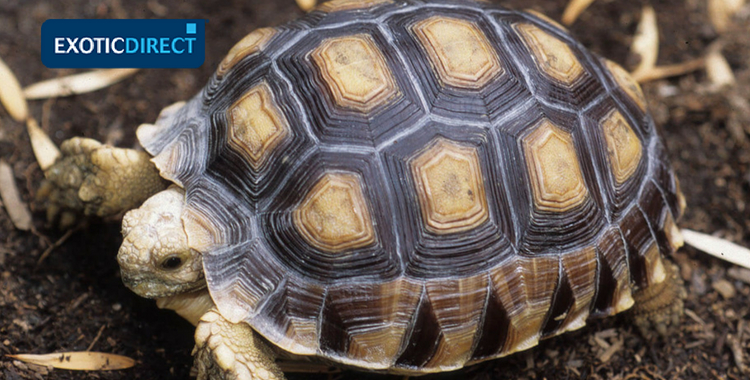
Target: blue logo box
x: 96, y: 44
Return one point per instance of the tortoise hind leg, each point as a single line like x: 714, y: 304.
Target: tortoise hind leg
x: 95, y: 179
x: 660, y: 306
x: 225, y: 350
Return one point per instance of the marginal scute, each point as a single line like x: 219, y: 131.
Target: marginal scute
x: 252, y: 43
x: 356, y: 72
x: 674, y: 236
x: 580, y: 267
x: 623, y: 146
x: 450, y: 187
x: 546, y: 18
x: 257, y: 125
x: 379, y: 342
x: 458, y: 305
x: 681, y: 202
x: 526, y: 286
x: 348, y: 5
x: 335, y: 216
x: 614, y: 291
x: 654, y: 265
x: 555, y: 174
x: 168, y: 162
x: 201, y: 233
x: 552, y: 55
x: 459, y: 52
x: 627, y: 83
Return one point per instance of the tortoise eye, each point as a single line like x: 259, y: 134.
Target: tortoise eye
x: 171, y: 262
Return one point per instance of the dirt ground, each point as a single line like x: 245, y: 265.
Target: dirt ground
x: 75, y: 300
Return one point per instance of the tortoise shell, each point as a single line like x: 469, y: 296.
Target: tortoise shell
x: 414, y: 187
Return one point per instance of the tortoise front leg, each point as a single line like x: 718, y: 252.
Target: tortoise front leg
x: 231, y: 351
x: 95, y: 179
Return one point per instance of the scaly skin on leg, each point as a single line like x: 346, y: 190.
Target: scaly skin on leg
x: 229, y: 351
x: 660, y: 306
x: 95, y: 179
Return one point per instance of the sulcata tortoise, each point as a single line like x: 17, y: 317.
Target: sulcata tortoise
x: 396, y: 186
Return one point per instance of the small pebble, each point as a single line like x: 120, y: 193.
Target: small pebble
x: 725, y: 288
x: 117, y: 307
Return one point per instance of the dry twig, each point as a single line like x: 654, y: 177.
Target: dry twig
x: 56, y: 244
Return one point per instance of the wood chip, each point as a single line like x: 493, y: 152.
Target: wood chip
x: 725, y: 288
x: 718, y: 247
x: 45, y: 150
x: 77, y: 83
x: 79, y: 361
x: 718, y: 70
x: 737, y: 352
x: 646, y: 42
x: 17, y: 210
x: 611, y: 351
x: 11, y: 95
x: 573, y: 10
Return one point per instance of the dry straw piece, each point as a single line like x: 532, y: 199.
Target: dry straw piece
x: 717, y: 247
x: 11, y: 95
x: 77, y: 83
x: 677, y: 69
x: 17, y: 210
x: 45, y: 150
x: 79, y: 361
x: 646, y: 43
x: 573, y: 10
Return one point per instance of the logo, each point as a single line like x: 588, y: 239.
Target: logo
x: 123, y: 43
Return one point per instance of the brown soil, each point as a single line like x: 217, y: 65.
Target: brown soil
x: 75, y: 296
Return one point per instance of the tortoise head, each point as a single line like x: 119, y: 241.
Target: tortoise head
x: 155, y: 260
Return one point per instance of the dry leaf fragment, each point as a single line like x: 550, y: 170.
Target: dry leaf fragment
x: 646, y: 42
x: 17, y: 210
x: 79, y: 361
x: 717, y: 247
x: 11, y: 95
x: 720, y: 12
x: 45, y: 150
x: 76, y: 84
x: 718, y: 70
x: 573, y: 10
x: 306, y: 5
